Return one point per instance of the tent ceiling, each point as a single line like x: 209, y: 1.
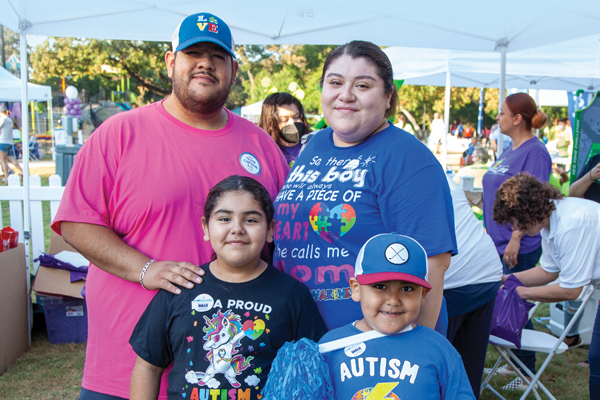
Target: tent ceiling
x: 469, y: 24
x: 569, y: 65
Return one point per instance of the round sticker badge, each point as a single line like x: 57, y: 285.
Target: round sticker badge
x: 355, y: 350
x: 250, y: 163
x: 203, y: 302
x: 396, y: 253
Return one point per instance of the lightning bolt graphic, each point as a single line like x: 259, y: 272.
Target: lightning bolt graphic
x: 381, y: 391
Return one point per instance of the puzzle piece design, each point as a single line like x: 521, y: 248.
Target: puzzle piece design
x: 332, y: 224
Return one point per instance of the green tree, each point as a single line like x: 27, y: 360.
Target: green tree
x: 10, y: 41
x: 279, y: 66
x: 95, y: 63
x: 421, y: 102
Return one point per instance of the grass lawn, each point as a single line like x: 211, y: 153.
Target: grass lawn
x: 564, y: 378
x: 50, y: 371
x: 47, y: 371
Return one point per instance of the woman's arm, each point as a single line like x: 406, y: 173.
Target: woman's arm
x: 511, y: 252
x: 145, y: 380
x: 548, y: 294
x: 536, y: 276
x: 437, y: 266
x: 581, y: 185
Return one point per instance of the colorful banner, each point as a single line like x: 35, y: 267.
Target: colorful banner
x: 586, y: 132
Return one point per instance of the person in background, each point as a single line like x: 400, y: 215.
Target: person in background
x: 282, y: 116
x: 570, y: 228
x: 438, y: 129
x: 6, y: 143
x: 495, y: 138
x: 469, y: 131
x: 139, y: 235
x: 470, y: 287
x: 460, y: 130
x: 468, y: 153
x: 587, y: 184
x: 518, y: 117
x: 359, y: 177
x: 477, y: 169
x: 453, y: 127
x: 564, y: 137
x: 404, y: 124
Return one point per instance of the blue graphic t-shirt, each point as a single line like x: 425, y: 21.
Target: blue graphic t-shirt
x: 336, y: 198
x: 531, y: 157
x: 418, y: 364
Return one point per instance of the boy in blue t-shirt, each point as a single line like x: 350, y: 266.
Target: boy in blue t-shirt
x: 403, y: 361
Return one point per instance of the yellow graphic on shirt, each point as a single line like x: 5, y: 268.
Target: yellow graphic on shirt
x: 381, y: 391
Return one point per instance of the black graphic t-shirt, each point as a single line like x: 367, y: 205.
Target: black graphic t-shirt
x: 222, y: 337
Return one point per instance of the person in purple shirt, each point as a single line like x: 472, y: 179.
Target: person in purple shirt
x: 283, y: 117
x: 518, y: 117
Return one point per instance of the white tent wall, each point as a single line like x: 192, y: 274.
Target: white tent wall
x: 10, y: 89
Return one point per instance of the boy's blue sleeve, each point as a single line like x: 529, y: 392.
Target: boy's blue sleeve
x: 457, y: 386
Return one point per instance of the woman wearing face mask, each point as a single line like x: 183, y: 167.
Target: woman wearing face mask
x: 282, y: 116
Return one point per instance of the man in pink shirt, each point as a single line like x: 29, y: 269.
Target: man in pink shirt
x: 133, y: 202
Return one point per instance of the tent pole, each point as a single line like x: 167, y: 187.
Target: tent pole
x: 446, y: 121
x: 503, y: 45
x: 51, y: 118
x: 25, y: 146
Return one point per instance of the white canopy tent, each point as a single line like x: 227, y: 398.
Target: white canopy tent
x: 512, y: 25
x: 10, y: 89
x: 467, y: 25
x: 569, y: 65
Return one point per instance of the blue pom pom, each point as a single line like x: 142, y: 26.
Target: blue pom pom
x: 299, y: 372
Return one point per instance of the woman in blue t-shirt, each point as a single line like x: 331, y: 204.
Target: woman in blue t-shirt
x: 359, y: 177
x: 517, y: 118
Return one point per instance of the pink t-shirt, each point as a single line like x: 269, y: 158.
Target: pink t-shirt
x: 146, y: 175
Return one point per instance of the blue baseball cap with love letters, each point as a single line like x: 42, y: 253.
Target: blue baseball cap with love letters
x: 203, y: 27
x: 392, y: 257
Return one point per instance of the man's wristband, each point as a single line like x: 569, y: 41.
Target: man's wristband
x: 144, y: 272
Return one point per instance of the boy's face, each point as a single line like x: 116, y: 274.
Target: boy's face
x: 390, y: 306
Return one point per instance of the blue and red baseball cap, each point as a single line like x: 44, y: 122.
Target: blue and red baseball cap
x: 203, y: 27
x: 392, y: 257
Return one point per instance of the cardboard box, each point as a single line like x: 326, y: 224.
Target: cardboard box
x: 52, y: 281
x: 64, y: 307
x: 14, y: 335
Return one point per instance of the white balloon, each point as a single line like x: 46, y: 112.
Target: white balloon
x: 71, y: 92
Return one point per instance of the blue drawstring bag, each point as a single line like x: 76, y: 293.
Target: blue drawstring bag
x: 511, y: 312
x: 299, y: 372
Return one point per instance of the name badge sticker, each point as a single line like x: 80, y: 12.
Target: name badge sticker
x: 203, y: 302
x: 250, y: 163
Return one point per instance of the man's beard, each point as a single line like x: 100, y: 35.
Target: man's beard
x: 195, y: 103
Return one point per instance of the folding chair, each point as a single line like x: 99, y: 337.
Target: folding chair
x: 533, y: 341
